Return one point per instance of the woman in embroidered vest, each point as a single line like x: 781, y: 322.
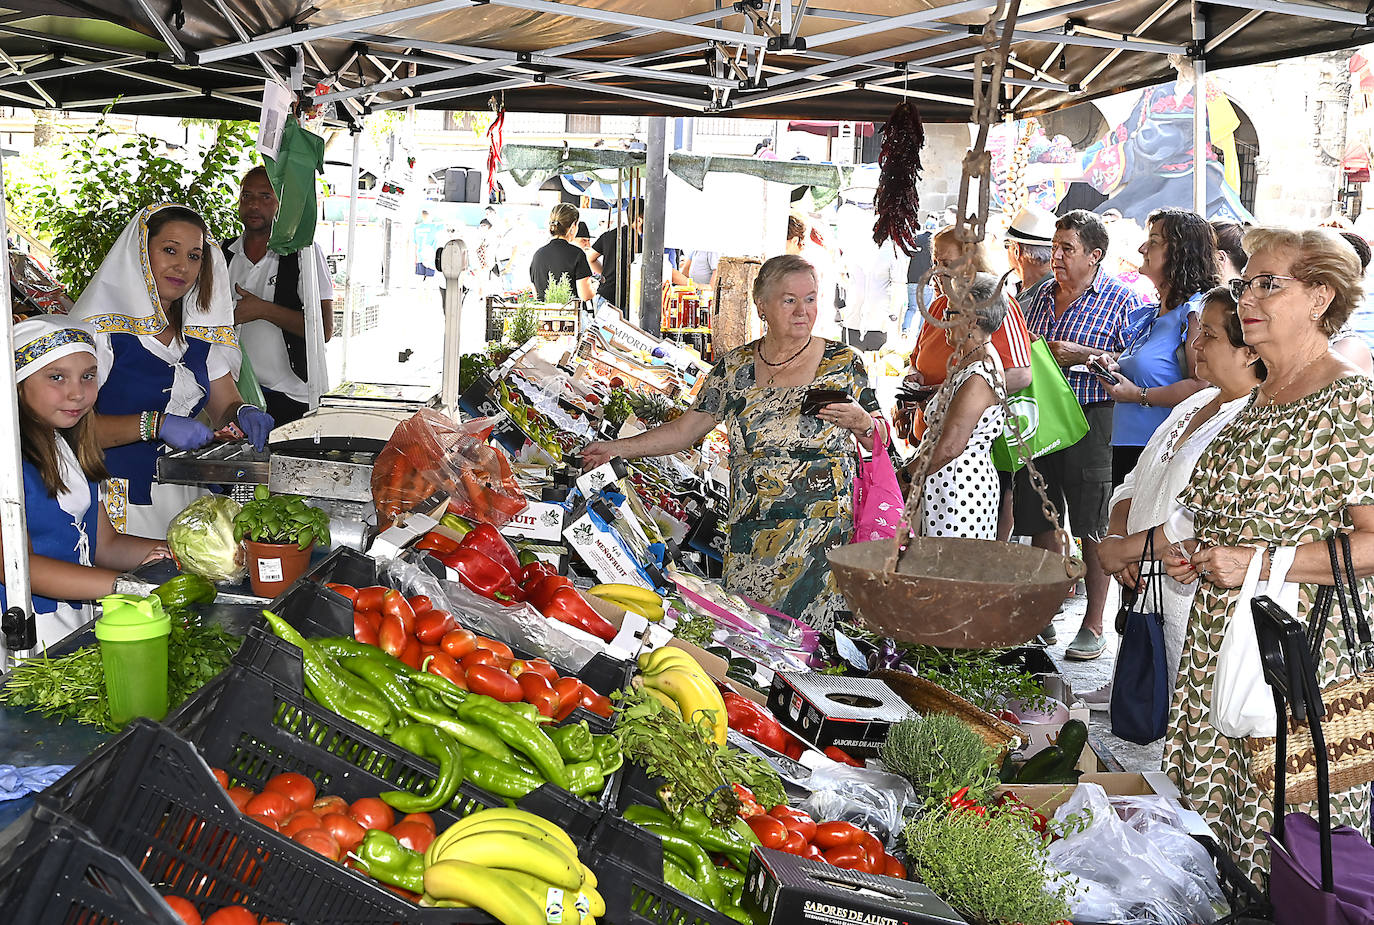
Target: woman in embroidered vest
x: 167, y: 352
x: 75, y: 555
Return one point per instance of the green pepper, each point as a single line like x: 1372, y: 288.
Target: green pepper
x: 680, y: 879
x: 640, y: 814
x: 382, y: 679
x: 436, y: 745
x: 384, y: 858
x: 732, y: 881
x: 442, y: 688
x: 499, y: 777
x: 330, y: 685
x: 735, y: 912
x: 585, y: 777
x: 477, y: 737
x: 574, y: 742
x: 521, y: 734
x: 696, y: 860
x: 339, y: 646
x: 426, y: 699
x: 181, y: 591
x: 608, y: 753
x: 726, y: 841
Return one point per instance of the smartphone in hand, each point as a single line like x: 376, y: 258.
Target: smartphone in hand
x: 1100, y: 369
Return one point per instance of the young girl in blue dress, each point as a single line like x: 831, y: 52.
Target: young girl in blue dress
x: 75, y: 555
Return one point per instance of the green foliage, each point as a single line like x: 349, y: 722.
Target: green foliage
x: 523, y: 325
x: 83, y: 207
x: 992, y: 868
x: 470, y: 367
x: 559, y: 291
x: 270, y: 518
x: 939, y: 754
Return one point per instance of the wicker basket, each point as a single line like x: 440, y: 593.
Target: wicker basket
x: 1349, y: 704
x: 928, y: 697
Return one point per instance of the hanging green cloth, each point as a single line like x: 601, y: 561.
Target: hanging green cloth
x: 292, y: 175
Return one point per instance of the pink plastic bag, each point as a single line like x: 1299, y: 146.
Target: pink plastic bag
x: 878, y: 500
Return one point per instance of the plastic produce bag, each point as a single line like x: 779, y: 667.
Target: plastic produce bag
x: 1129, y: 876
x: 202, y: 539
x: 868, y: 798
x: 430, y: 454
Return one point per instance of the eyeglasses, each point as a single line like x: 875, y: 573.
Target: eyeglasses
x: 1264, y: 285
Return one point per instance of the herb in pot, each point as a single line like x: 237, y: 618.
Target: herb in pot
x: 939, y: 754
x: 281, y: 519
x: 992, y: 867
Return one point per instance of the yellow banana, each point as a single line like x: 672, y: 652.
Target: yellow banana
x: 626, y: 592
x: 695, y: 694
x: 589, y: 878
x: 513, y: 851
x: 664, y: 699
x: 515, y: 828
x: 595, y: 904
x: 544, y: 894
x: 485, y: 817
x: 652, y: 613
x: 662, y: 658
x: 489, y: 890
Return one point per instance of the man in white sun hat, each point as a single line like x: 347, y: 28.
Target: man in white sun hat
x: 1028, y: 241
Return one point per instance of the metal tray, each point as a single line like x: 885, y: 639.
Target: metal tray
x: 226, y: 463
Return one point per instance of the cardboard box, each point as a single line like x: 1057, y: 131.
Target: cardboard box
x: 783, y: 888
x: 1047, y: 798
x: 851, y: 713
x: 540, y: 520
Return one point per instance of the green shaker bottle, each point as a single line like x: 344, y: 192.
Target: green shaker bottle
x: 133, y: 648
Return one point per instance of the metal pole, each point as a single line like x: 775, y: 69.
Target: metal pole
x: 13, y: 530
x: 453, y: 313
x: 387, y: 223
x: 348, y: 254
x: 1200, y: 146
x: 314, y: 326
x: 655, y: 202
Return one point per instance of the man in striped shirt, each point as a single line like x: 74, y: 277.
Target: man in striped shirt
x: 1081, y: 313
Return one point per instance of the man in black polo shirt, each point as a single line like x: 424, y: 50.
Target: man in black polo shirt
x: 611, y: 258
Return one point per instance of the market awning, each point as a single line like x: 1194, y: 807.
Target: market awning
x: 1355, y: 164
x: 786, y: 59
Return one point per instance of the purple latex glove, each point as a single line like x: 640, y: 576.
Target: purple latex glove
x: 257, y: 425
x: 184, y: 433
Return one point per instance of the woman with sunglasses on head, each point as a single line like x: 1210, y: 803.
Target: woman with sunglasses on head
x: 1295, y: 466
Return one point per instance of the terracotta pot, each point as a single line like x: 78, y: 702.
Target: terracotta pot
x: 273, y: 566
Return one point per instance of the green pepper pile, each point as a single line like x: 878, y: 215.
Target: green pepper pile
x: 503, y: 748
x: 690, y: 840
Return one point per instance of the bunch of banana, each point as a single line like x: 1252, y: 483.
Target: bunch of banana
x: 632, y: 597
x: 674, y: 678
x: 518, y: 867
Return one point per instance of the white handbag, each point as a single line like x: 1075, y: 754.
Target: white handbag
x: 1242, y: 703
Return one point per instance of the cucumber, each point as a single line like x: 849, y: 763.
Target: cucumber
x: 1007, y: 773
x: 1041, y: 766
x: 1072, y: 738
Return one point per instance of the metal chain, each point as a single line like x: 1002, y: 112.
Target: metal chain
x: 970, y: 230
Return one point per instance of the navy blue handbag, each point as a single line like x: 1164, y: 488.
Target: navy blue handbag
x: 1141, y: 683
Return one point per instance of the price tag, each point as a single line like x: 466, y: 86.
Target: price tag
x: 269, y: 570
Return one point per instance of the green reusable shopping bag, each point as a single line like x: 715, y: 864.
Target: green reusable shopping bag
x: 1049, y: 414
x: 292, y: 175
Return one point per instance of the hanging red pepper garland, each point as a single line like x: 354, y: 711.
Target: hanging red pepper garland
x: 495, y: 140
x: 897, y: 202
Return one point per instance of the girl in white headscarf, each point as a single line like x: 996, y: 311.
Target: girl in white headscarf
x: 75, y: 555
x: 165, y: 342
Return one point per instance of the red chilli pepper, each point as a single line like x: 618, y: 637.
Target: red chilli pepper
x: 747, y: 717
x: 488, y: 540
x: 843, y: 757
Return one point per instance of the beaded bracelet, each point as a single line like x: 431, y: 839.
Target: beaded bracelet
x: 149, y: 425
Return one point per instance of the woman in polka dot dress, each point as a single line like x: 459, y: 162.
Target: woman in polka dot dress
x: 962, y: 493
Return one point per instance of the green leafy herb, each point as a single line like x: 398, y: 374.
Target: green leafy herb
x: 696, y: 770
x: 939, y: 754
x: 73, y: 687
x: 693, y: 625
x: 559, y: 291
x: 270, y: 518
x: 991, y: 867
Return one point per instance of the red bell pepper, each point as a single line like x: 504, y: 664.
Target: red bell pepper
x: 487, y: 540
x: 481, y: 573
x: 542, y: 590
x: 567, y: 606
x: 437, y: 543
x: 843, y: 757
x: 743, y: 715
x: 531, y: 573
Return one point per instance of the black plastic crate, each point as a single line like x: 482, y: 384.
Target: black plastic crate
x: 60, y: 874
x: 149, y: 797
x: 628, y: 862
x: 273, y: 669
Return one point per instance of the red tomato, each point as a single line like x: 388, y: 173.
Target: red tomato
x: 392, y: 636
x: 346, y: 831
x: 795, y: 820
x: 420, y: 604
x: 770, y: 832
x: 443, y: 665
x: 596, y: 703
x: 411, y: 653
x: 347, y: 591
x: 536, y: 690
x: 319, y: 840
x: 299, y: 820
x: 232, y: 915
x: 894, y: 868
x: 372, y: 813
x: 538, y: 665
x: 834, y: 834
x: 369, y: 598
x: 298, y: 788
x: 424, y: 819
x: 413, y: 835
x: 873, y: 848
x: 480, y: 657
x: 221, y: 777
x: 850, y: 857
x: 264, y: 819
x: 394, y: 604
x: 373, y: 618
x: 813, y: 853
x: 432, y: 625
x: 504, y: 655
x: 276, y: 806
x: 492, y: 681
x: 184, y: 910
x: 793, y: 844
x: 241, y: 796
x: 458, y: 643
x: 363, y: 630
x: 330, y: 804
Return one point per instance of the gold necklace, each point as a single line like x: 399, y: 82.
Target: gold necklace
x: 1274, y: 396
